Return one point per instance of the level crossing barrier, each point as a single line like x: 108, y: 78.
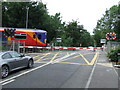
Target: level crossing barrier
x: 60, y: 47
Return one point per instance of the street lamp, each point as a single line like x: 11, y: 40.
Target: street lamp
x: 27, y: 8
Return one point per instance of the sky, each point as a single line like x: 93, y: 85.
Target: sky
x: 87, y: 12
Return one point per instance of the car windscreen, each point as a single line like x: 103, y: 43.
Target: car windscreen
x: 15, y: 54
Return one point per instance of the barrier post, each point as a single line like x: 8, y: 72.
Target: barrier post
x: 24, y: 48
x: 18, y: 46
x: 13, y: 45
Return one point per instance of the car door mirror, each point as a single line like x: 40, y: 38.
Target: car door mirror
x: 22, y: 55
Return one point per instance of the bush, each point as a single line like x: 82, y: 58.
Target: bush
x: 112, y: 55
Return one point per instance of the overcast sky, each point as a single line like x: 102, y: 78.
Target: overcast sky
x: 87, y: 12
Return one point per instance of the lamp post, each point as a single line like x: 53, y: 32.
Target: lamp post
x: 27, y: 8
x: 80, y: 37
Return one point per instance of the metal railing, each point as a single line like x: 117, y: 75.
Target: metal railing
x: 112, y: 45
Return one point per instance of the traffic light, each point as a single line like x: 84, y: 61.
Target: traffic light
x: 9, y: 32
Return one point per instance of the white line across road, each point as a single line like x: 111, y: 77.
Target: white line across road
x: 6, y: 81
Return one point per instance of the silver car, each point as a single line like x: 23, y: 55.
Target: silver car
x: 11, y: 60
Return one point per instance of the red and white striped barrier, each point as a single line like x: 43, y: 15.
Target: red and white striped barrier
x: 60, y: 47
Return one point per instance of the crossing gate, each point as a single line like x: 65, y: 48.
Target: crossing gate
x: 60, y: 47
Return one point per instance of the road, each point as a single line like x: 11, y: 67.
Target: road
x: 65, y: 69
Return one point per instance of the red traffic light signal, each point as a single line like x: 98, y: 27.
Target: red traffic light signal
x: 9, y: 32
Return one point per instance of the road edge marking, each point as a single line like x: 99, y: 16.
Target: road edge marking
x: 24, y: 73
x: 12, y: 80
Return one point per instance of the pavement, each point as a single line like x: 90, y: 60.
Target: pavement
x: 104, y: 75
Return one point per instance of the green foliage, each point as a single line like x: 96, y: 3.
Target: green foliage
x: 75, y: 34
x: 113, y: 54
x: 108, y: 23
x: 14, y: 15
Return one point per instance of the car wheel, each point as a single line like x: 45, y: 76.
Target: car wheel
x: 4, y: 71
x: 30, y: 64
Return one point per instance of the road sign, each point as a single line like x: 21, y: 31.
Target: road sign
x: 59, y: 39
x: 103, y: 41
x: 111, y: 36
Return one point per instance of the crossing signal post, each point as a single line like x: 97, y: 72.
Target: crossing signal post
x: 9, y: 32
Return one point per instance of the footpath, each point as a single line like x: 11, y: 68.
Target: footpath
x: 104, y: 75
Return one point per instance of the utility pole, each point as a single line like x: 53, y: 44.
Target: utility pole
x: 27, y: 8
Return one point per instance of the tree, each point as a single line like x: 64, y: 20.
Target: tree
x: 108, y: 23
x: 14, y: 15
x: 75, y: 34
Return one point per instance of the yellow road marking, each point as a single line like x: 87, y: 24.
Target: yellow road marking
x: 88, y: 63
x: 73, y: 63
x: 39, y: 55
x: 69, y: 58
x: 54, y: 56
x: 84, y: 59
x: 42, y: 57
x: 94, y: 59
x: 75, y: 57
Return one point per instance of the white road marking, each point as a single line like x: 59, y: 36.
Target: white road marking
x: 90, y: 77
x: 57, y: 60
x: 24, y: 73
x: 8, y: 82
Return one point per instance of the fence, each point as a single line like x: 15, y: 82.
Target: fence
x: 112, y: 45
x: 11, y: 45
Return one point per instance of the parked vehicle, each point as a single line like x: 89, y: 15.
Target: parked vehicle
x: 11, y: 60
